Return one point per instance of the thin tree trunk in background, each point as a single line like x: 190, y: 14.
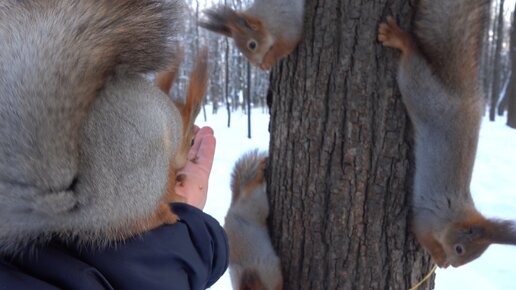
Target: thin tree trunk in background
x: 486, y: 63
x: 502, y: 105
x: 216, y: 87
x: 511, y: 97
x: 248, y: 65
x: 197, y: 49
x: 511, y: 111
x: 226, y: 84
x: 226, y: 80
x: 511, y: 118
x: 495, y: 95
x: 339, y: 172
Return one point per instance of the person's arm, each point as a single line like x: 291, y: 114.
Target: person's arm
x: 191, y: 254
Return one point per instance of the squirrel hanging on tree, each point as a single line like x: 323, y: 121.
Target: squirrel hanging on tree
x: 266, y: 32
x: 439, y: 81
x: 253, y: 264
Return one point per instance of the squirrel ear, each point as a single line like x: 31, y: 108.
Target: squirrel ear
x: 239, y: 22
x: 224, y: 30
x: 251, y: 22
x: 474, y: 232
x: 219, y: 20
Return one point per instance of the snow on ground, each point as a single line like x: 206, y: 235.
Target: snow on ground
x: 493, y: 187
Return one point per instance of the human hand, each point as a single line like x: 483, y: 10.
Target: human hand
x: 192, y: 181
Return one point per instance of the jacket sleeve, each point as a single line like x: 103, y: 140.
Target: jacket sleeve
x: 191, y: 254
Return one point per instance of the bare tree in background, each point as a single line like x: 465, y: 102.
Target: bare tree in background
x: 228, y: 67
x: 339, y: 174
x: 496, y: 87
x: 511, y: 96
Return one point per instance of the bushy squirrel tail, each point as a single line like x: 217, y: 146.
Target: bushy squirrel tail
x: 55, y: 56
x: 191, y: 106
x: 248, y: 173
x: 450, y: 34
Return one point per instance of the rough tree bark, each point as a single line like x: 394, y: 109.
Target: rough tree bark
x: 339, y: 174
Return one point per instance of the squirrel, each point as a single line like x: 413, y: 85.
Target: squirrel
x: 438, y: 77
x: 253, y: 264
x: 266, y: 32
x: 89, y: 146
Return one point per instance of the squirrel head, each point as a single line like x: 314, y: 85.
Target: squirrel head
x: 463, y: 242
x: 249, y: 33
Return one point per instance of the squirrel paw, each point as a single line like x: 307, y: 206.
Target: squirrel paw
x: 265, y: 66
x: 391, y: 35
x: 440, y: 259
x: 434, y: 247
x: 268, y: 62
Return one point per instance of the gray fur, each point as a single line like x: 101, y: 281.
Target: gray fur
x: 446, y: 113
x: 277, y: 16
x: 250, y: 246
x: 450, y: 34
x: 82, y: 150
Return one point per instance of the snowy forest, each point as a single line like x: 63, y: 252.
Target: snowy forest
x: 235, y: 84
x: 499, y: 83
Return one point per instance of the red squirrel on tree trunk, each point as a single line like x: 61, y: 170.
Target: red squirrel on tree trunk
x: 266, y: 32
x: 439, y: 81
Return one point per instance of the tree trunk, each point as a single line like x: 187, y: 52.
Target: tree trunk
x: 340, y: 166
x: 511, y: 118
x: 502, y: 105
x: 226, y: 84
x: 488, y: 51
x: 511, y: 98
x: 248, y: 99
x: 497, y: 76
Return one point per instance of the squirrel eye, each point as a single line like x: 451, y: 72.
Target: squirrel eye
x: 459, y: 249
x: 252, y: 45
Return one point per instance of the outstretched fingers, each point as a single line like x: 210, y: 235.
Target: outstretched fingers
x: 193, y: 185
x: 199, y: 135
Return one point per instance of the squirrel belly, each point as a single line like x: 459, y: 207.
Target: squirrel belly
x: 253, y: 263
x: 439, y: 81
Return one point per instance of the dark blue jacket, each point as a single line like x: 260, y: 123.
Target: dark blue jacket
x: 191, y: 254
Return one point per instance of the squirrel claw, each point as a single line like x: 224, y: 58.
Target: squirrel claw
x: 442, y: 263
x: 391, y: 35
